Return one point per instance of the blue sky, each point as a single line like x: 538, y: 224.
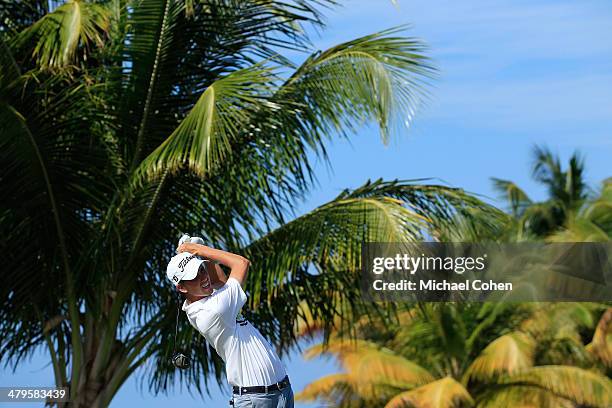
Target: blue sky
x: 512, y: 74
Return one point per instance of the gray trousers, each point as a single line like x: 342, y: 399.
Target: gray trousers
x: 273, y: 399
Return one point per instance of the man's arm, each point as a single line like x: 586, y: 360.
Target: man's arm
x: 217, y: 275
x: 239, y: 265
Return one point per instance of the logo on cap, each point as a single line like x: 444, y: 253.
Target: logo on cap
x: 184, y: 262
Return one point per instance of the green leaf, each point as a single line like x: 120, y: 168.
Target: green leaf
x: 56, y: 37
x: 203, y: 139
x: 513, y: 194
x: 378, y: 76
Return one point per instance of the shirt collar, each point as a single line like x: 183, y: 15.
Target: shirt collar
x: 197, y: 303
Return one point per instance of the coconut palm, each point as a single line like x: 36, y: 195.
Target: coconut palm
x: 458, y: 355
x: 567, y: 191
x: 124, y: 123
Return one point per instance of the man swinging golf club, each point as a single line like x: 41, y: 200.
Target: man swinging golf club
x: 212, y: 304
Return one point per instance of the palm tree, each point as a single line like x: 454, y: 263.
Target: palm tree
x: 567, y: 191
x: 463, y: 355
x: 592, y: 222
x: 124, y: 122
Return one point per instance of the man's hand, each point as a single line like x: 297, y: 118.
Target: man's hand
x: 188, y: 247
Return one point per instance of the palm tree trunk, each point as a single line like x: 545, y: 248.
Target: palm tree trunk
x: 98, y: 380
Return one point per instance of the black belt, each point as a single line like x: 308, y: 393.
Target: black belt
x: 261, y: 389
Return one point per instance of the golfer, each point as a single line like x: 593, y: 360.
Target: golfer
x: 212, y: 304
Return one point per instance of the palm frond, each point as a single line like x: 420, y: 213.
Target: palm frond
x: 307, y: 326
x: 377, y: 77
x: 56, y: 37
x: 520, y: 396
x: 368, y: 364
x: 443, y: 393
x: 337, y: 390
x: 599, y: 210
x: 331, y: 387
x: 372, y: 374
x: 509, y: 353
x: 560, y: 317
x: 571, y: 383
x: 546, y: 168
x: 579, y: 229
x: 575, y: 183
x: 601, y: 345
x: 204, y: 137
x: 516, y: 198
x: 9, y: 70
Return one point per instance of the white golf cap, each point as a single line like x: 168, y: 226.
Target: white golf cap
x: 183, y: 266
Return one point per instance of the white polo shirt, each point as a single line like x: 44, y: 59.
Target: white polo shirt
x: 249, y: 358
